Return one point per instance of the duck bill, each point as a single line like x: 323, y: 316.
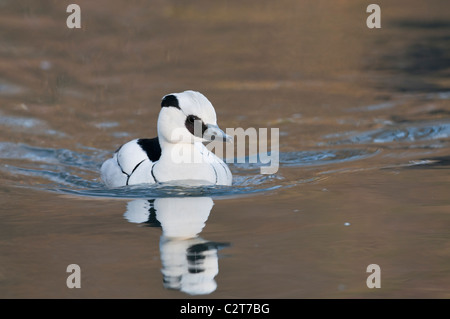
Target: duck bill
x: 214, y: 133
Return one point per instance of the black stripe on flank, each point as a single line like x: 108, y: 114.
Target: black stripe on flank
x: 170, y: 100
x: 156, y: 181
x: 215, y: 172
x: 151, y: 147
x: 128, y: 176
x: 136, y: 167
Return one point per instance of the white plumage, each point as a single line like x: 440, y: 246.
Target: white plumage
x: 185, y: 121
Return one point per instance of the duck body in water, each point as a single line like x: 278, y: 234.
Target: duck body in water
x: 177, y: 154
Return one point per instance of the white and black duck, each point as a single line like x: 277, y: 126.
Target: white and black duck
x: 185, y: 121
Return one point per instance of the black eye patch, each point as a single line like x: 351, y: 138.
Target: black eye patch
x: 170, y: 100
x: 190, y: 125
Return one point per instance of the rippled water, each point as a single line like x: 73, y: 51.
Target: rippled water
x: 71, y: 172
x: 364, y: 120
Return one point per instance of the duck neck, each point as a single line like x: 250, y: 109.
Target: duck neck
x: 179, y: 153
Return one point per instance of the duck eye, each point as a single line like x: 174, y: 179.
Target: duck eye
x: 191, y: 118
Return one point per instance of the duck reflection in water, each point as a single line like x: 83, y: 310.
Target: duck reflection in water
x: 189, y: 262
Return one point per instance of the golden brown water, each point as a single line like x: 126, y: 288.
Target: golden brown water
x: 364, y: 119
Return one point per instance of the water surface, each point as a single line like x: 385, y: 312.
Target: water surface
x: 364, y: 120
